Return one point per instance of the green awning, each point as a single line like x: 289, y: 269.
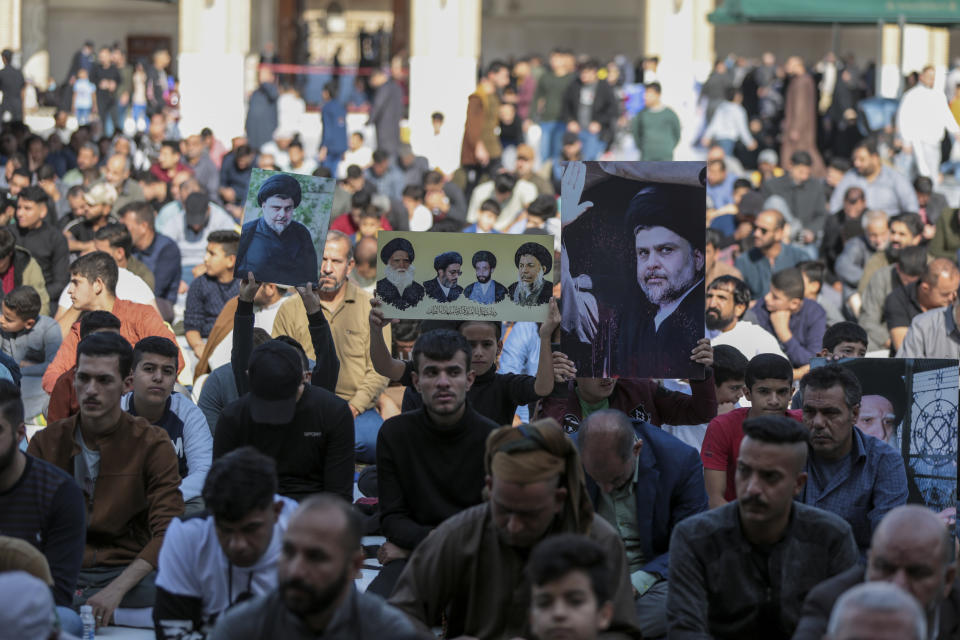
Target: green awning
x: 930, y: 12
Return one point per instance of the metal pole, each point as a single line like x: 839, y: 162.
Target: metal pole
x: 835, y: 39
x: 902, y: 23
x: 878, y: 66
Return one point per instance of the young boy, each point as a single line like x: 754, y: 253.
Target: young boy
x: 356, y: 154
x: 816, y: 288
x: 210, y: 292
x: 797, y: 322
x: 30, y: 338
x: 486, y: 218
x: 420, y: 218
x: 769, y: 387
x: 729, y: 372
x: 570, y: 579
x: 368, y: 225
x: 493, y: 395
x: 83, y: 92
x: 844, y: 340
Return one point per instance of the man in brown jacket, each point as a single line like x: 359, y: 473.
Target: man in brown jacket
x: 127, y: 470
x: 480, y: 152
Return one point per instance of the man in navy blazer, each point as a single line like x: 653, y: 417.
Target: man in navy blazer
x: 643, y: 481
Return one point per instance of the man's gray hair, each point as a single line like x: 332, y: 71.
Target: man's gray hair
x: 91, y: 147
x: 878, y: 597
x: 127, y: 164
x: 874, y: 215
x: 340, y: 236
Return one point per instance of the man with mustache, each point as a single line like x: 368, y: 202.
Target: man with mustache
x: 533, y: 262
x: 127, y: 471
x: 852, y: 475
x: 744, y: 569
x: 906, y: 230
x: 397, y: 287
x: 485, y: 290
x: 315, y: 594
x: 728, y: 299
x: 444, y: 287
x: 275, y: 247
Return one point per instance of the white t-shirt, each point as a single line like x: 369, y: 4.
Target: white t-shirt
x: 192, y: 564
x: 129, y: 287
x: 750, y: 339
x: 262, y: 318
x: 422, y: 219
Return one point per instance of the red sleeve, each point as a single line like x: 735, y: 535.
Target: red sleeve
x: 716, y: 446
x: 66, y: 357
x: 385, y: 224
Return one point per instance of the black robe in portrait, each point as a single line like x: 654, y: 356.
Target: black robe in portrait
x: 646, y: 352
x: 411, y: 297
x: 546, y: 292
x: 432, y: 289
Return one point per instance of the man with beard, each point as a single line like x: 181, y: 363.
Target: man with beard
x: 275, y: 247
x: 906, y: 230
x: 727, y: 301
x: 397, y: 288
x: 444, y: 287
x: 884, y: 187
x: 769, y: 253
x: 911, y: 549
x: 39, y: 503
x: 470, y: 569
x: 669, y: 239
x: 315, y: 595
x: 743, y: 570
x: 485, y: 290
x: 533, y: 261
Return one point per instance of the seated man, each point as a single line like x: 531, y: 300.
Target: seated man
x: 910, y: 264
x: 220, y: 388
x: 797, y: 322
x: 93, y: 284
x: 346, y: 308
x: 159, y: 253
x: 857, y: 477
x: 315, y: 595
x: 857, y: 251
x: 911, y: 549
x: 307, y: 430
x: 844, y: 340
x: 470, y: 570
x: 494, y: 395
x: 63, y: 398
x: 38, y: 235
x: 743, y: 570
x: 209, y: 564
x: 39, y: 503
x: 641, y: 398
x: 32, y: 340
x: 727, y: 300
x: 768, y: 387
x: 937, y: 288
x: 570, y: 597
x: 642, y: 481
x: 18, y: 268
x: 153, y: 398
x: 877, y: 610
x: 128, y: 473
x: 211, y: 290
x: 429, y: 465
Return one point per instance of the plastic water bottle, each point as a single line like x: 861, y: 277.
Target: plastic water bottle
x: 89, y: 625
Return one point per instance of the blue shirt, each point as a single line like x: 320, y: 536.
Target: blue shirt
x: 722, y: 194
x: 756, y: 269
x: 162, y: 257
x: 861, y: 489
x: 521, y: 354
x: 205, y: 298
x: 807, y: 326
x: 334, y: 117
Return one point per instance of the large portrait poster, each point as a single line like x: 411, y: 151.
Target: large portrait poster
x: 911, y: 403
x: 465, y: 276
x: 632, y: 267
x: 285, y: 221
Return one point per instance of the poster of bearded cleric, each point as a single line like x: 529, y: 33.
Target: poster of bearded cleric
x: 911, y: 404
x: 285, y: 222
x: 632, y: 268
x: 465, y: 276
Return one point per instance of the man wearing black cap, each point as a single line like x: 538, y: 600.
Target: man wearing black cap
x: 307, y: 430
x: 397, y: 288
x: 485, y: 290
x: 533, y: 262
x: 444, y: 287
x: 275, y: 247
x: 669, y: 236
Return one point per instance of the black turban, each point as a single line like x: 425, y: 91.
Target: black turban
x: 444, y: 260
x: 536, y: 250
x: 679, y: 208
x: 397, y: 244
x: 280, y: 184
x: 484, y: 256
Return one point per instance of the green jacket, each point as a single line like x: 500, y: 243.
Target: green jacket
x: 946, y: 240
x: 656, y: 133
x: 550, y: 89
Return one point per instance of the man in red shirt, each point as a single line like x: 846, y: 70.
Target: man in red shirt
x: 769, y: 388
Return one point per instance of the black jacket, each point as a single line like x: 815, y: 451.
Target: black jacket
x: 49, y: 248
x: 603, y: 111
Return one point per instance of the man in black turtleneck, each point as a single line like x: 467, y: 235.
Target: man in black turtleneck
x: 494, y: 395
x: 429, y: 460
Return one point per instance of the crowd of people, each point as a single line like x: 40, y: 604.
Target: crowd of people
x: 207, y: 451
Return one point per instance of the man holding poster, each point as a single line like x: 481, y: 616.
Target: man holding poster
x: 275, y: 247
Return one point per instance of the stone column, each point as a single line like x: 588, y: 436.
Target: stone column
x: 35, y: 61
x: 445, y: 46
x: 214, y: 44
x: 922, y: 45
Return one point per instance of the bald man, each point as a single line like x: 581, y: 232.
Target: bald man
x: 911, y: 548
x: 878, y: 611
x: 937, y: 288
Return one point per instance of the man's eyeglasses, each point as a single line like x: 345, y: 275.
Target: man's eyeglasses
x: 762, y: 230
x: 853, y: 200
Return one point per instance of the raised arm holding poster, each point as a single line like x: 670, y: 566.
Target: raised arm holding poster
x: 464, y: 276
x: 633, y: 267
x: 285, y: 222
